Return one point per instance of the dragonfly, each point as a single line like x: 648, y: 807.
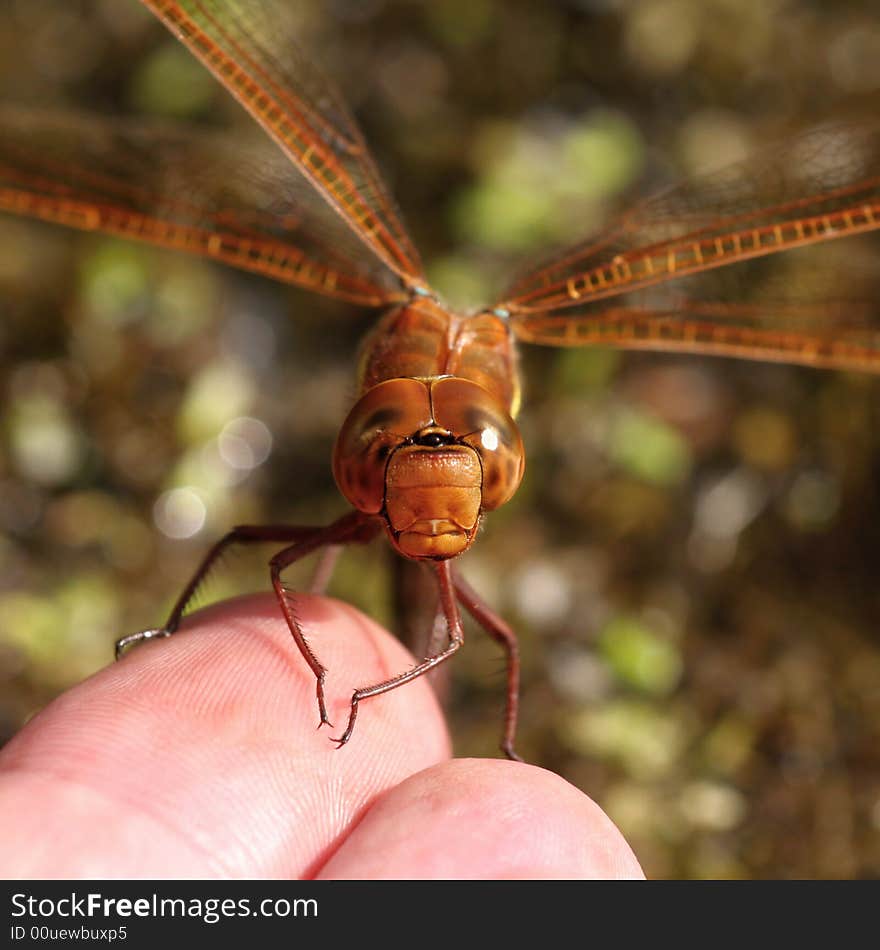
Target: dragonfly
x: 431, y: 443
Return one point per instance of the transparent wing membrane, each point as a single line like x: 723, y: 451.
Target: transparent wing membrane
x: 250, y: 48
x: 698, y: 268
x: 759, y: 333
x: 185, y: 189
x: 822, y: 185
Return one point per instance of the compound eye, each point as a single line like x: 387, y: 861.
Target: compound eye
x: 474, y: 416
x: 381, y: 420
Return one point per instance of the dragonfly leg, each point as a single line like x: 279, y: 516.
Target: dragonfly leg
x: 500, y: 631
x: 455, y: 634
x: 353, y: 527
x: 243, y: 534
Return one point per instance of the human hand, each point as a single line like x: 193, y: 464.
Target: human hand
x: 197, y: 756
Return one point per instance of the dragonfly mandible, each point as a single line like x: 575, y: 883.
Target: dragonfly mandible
x: 431, y: 442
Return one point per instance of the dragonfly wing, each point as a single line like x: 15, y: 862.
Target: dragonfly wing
x: 250, y: 47
x: 820, y: 309
x: 821, y: 185
x: 186, y: 189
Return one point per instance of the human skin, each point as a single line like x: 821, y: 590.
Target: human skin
x: 198, y: 756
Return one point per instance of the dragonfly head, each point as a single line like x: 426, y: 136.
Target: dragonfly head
x: 430, y: 456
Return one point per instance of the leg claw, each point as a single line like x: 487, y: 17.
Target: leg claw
x: 123, y: 644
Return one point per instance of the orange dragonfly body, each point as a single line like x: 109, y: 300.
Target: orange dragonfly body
x: 431, y: 442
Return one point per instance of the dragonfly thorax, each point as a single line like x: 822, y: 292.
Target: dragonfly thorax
x: 428, y: 456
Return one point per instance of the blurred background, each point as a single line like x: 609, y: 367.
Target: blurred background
x: 691, y: 562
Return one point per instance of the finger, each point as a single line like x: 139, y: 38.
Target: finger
x: 198, y: 755
x: 473, y: 818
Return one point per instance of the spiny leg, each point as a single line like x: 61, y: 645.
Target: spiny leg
x: 456, y: 638
x: 353, y: 527
x: 242, y: 534
x: 498, y: 630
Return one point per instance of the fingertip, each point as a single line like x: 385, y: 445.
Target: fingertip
x: 471, y: 818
